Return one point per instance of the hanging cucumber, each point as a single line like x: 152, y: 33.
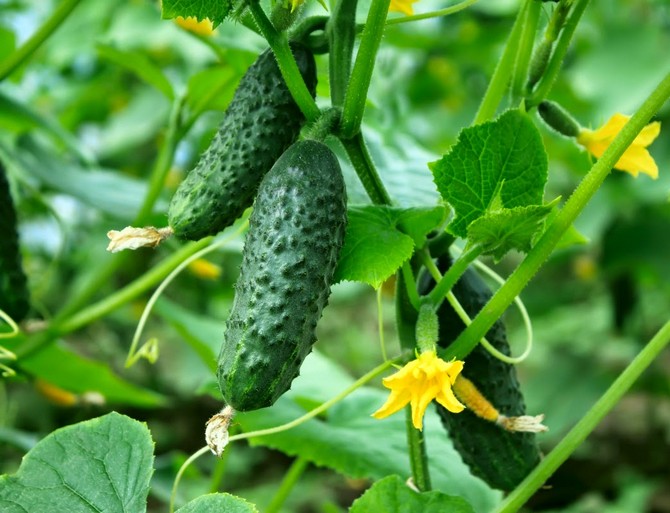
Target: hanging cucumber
x: 499, y: 457
x: 261, y: 121
x: 13, y: 287
x: 295, y: 234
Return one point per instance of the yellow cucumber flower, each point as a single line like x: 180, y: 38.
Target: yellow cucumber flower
x: 418, y: 383
x: 191, y: 23
x: 636, y: 159
x: 205, y: 269
x: 403, y: 6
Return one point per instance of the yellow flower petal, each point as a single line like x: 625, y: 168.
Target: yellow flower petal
x: 403, y: 6
x: 418, y: 383
x: 191, y: 23
x: 636, y: 159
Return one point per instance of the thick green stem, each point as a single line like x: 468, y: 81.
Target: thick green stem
x: 365, y: 169
x: 288, y: 483
x: 554, y: 67
x: 586, y: 425
x: 287, y: 65
x: 525, y: 50
x: 418, y: 459
x: 501, y: 75
x: 341, y: 37
x: 357, y: 92
x: 450, y: 278
x: 29, y: 47
x: 469, y: 338
x: 113, y: 301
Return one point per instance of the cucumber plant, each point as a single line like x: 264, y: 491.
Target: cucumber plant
x: 489, y: 193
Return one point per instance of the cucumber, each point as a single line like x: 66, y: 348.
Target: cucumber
x: 14, y: 299
x: 295, y: 234
x: 501, y: 458
x: 261, y: 121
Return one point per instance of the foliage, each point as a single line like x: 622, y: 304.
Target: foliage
x: 105, y: 106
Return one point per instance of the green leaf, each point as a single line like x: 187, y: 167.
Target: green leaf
x: 353, y: 443
x: 139, y: 64
x: 215, y: 10
x: 106, y: 190
x: 218, y: 502
x: 211, y: 89
x: 500, y: 231
x: 500, y: 160
x: 392, y: 495
x: 80, y: 375
x: 102, y: 464
x: 375, y: 245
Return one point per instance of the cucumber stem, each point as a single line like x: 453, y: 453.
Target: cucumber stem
x: 418, y: 458
x: 365, y: 169
x: 287, y: 65
x: 357, y: 91
x: 503, y: 71
x: 556, y: 60
x: 341, y: 36
x: 296, y: 470
x: 525, y: 49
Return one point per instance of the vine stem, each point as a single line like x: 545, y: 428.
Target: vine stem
x: 418, y: 458
x: 525, y: 49
x: 322, y: 407
x: 554, y: 67
x: 35, y: 41
x: 365, y: 169
x: 111, y: 302
x: 287, y: 65
x: 581, y: 430
x: 469, y: 338
x: 452, y: 9
x: 357, y: 91
x: 297, y: 468
x: 503, y: 71
x: 450, y: 278
x: 341, y: 38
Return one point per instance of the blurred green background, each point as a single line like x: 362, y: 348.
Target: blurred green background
x: 81, y: 126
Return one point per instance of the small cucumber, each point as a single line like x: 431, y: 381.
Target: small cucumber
x: 14, y: 299
x: 261, y: 121
x: 501, y: 458
x: 295, y: 234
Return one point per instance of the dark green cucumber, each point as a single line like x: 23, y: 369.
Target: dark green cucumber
x: 261, y: 121
x: 295, y: 234
x: 13, y: 287
x: 502, y: 459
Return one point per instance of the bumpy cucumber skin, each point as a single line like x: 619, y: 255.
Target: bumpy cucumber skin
x: 502, y: 459
x: 14, y: 299
x: 296, y: 231
x: 261, y: 121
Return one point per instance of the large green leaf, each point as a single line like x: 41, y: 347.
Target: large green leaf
x: 102, y: 464
x: 216, y: 11
x: 498, y: 164
x: 218, y: 502
x: 379, y: 239
x: 392, y: 495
